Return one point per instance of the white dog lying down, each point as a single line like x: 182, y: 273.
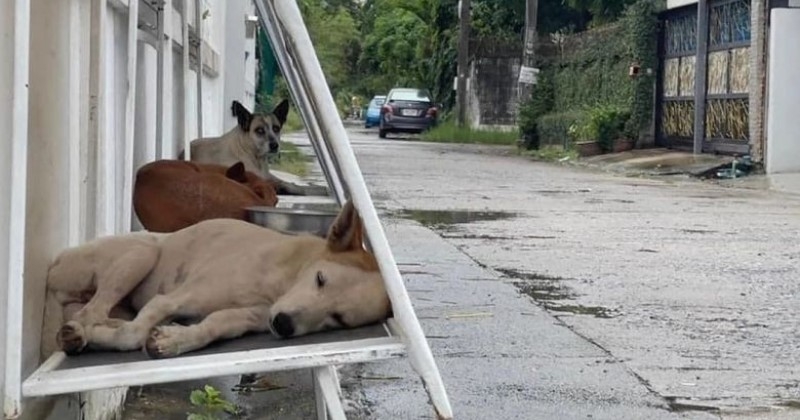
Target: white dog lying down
x: 233, y: 276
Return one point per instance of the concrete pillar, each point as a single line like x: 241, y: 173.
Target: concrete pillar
x: 14, y: 53
x: 783, y: 145
x: 234, y: 60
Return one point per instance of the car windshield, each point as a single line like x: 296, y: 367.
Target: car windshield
x: 410, y: 95
x: 376, y: 103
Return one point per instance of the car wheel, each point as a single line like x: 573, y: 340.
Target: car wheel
x: 382, y: 131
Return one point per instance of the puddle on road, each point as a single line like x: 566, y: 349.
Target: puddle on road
x: 681, y: 405
x: 548, y: 292
x: 793, y: 404
x: 444, y: 219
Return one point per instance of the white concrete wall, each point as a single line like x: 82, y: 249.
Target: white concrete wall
x: 674, y: 4
x: 214, y: 32
x: 6, y: 97
x: 783, y: 93
x: 239, y: 58
x: 72, y: 179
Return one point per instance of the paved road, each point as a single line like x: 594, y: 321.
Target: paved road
x: 557, y: 292
x: 551, y: 292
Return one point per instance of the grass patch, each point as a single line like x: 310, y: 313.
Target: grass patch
x: 290, y: 159
x: 293, y: 121
x: 552, y: 154
x: 448, y: 132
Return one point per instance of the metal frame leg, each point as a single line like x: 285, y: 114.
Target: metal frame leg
x: 328, y: 394
x: 296, y: 56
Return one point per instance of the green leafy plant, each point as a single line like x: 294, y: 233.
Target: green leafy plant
x: 449, y: 132
x: 641, y: 44
x: 604, y: 124
x: 540, y: 103
x: 560, y: 128
x: 590, y: 72
x: 210, y: 404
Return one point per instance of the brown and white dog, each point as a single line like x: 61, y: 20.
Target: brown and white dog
x: 254, y: 137
x: 233, y: 276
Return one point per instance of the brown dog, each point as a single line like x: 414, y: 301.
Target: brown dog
x: 234, y: 276
x: 169, y: 195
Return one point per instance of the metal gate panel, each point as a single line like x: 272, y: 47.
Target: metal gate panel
x: 726, y: 97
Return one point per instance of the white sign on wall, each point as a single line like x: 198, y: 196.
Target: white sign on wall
x: 528, y: 75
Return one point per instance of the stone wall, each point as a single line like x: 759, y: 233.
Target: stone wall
x: 492, y: 84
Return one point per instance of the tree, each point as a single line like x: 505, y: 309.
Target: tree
x: 601, y: 11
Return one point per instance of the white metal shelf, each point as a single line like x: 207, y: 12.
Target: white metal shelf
x: 254, y: 353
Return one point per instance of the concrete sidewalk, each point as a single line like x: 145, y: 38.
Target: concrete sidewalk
x: 665, y: 162
x: 656, y: 162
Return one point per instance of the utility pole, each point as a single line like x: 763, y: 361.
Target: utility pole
x: 527, y: 75
x: 463, y: 61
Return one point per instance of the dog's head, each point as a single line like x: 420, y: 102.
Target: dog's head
x: 265, y: 190
x: 343, y: 288
x: 263, y: 129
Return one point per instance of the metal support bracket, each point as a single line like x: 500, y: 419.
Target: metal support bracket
x: 297, y: 59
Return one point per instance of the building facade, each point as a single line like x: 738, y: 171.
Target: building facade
x: 730, y: 90
x: 90, y: 90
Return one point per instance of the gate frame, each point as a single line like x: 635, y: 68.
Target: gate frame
x: 699, y: 143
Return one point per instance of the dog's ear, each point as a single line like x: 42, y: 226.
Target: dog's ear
x: 243, y: 116
x: 236, y: 172
x: 281, y: 111
x: 347, y: 231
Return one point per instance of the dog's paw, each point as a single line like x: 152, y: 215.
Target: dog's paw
x: 71, y: 338
x: 164, y: 341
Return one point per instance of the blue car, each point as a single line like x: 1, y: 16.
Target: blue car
x: 373, y: 117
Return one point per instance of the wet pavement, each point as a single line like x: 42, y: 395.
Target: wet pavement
x: 687, y: 287
x: 552, y: 292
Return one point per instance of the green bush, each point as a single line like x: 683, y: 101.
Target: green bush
x: 604, y: 124
x: 540, y: 103
x: 559, y: 129
x: 641, y: 44
x: 449, y: 132
x: 589, y: 71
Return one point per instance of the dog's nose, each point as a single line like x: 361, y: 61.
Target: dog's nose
x: 282, y: 325
x: 273, y: 147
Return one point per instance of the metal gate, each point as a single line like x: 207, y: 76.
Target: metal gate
x: 725, y: 99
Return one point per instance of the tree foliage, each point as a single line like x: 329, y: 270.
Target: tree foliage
x: 366, y: 48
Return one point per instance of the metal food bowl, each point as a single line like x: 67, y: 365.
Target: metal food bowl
x: 292, y: 221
